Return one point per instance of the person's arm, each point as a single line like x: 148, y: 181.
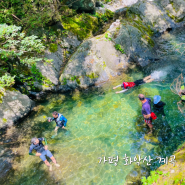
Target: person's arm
x: 64, y: 123
x: 64, y: 120
x: 45, y: 141
x: 50, y: 119
x: 147, y: 116
x: 30, y: 151
x: 116, y: 86
x: 148, y: 112
x: 122, y: 91
x: 31, y: 154
x: 46, y: 144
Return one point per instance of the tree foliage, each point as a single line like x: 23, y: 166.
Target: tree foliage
x: 6, y: 81
x: 29, y: 13
x: 15, y: 48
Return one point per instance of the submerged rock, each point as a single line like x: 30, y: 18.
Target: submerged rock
x: 14, y: 106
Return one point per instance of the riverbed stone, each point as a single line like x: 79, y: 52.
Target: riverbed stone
x: 14, y: 106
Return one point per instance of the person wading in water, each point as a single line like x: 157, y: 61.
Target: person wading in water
x: 158, y: 105
x: 146, y: 110
x: 60, y: 121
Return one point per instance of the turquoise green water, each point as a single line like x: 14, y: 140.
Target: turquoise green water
x: 100, y: 123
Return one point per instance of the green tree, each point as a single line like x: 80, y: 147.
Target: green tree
x: 17, y: 49
x: 29, y: 13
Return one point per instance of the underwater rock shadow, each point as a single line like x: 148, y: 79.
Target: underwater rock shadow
x: 29, y: 176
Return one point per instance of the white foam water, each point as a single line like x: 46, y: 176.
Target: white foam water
x: 160, y: 74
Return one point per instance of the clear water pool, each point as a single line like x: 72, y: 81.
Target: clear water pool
x: 100, y: 123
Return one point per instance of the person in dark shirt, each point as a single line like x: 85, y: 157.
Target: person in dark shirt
x: 158, y: 105
x: 146, y: 110
x: 42, y: 151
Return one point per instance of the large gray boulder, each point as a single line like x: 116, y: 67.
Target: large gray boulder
x: 174, y: 9
x: 14, y: 106
x: 157, y: 14
x: 94, y: 62
x: 137, y: 42
x: 142, y: 22
x: 52, y: 70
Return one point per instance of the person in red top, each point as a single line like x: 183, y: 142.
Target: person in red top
x: 128, y: 85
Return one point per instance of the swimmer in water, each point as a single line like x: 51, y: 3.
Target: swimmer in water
x: 128, y: 85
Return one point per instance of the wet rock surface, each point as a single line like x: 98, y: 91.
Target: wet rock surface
x: 82, y: 5
x: 14, y: 106
x: 95, y: 61
x: 52, y: 70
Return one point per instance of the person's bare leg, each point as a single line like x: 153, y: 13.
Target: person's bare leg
x: 147, y: 78
x: 56, y: 129
x: 54, y: 161
x: 148, y: 81
x: 49, y: 165
x: 116, y: 86
x: 151, y: 127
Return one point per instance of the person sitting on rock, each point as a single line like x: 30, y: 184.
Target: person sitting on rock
x: 59, y: 119
x: 128, y: 85
x: 42, y: 151
x: 158, y: 105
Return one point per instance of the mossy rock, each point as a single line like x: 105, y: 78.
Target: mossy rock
x: 92, y: 76
x: 78, y: 81
x: 82, y: 25
x: 136, y: 21
x: 53, y: 47
x: 4, y: 120
x: 1, y: 96
x: 10, y: 89
x: 151, y: 138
